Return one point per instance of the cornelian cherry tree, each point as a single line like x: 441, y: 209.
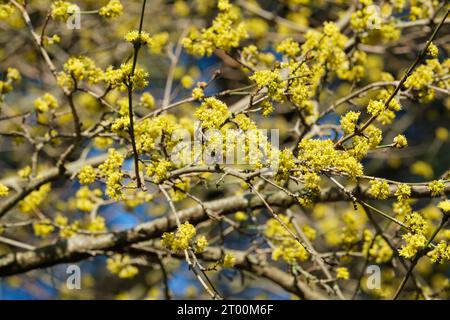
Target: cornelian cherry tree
x: 252, y: 148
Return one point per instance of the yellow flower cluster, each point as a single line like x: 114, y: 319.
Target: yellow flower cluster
x: 229, y: 260
x: 62, y: 10
x: 385, y: 115
x: 414, y: 243
x: 321, y: 155
x: 122, y: 266
x: 158, y: 42
x: 180, y: 188
x: 240, y: 216
x: 212, y: 113
x: 285, y: 165
x: 25, y: 172
x: 43, y: 228
x: 198, y: 94
x: 200, y: 244
x: 342, y: 273
x: 96, y: 224
x: 251, y: 56
x: 244, y: 122
x: 379, y: 189
x: 362, y: 144
x: 286, y: 247
x: 147, y: 100
x: 183, y: 238
x: 349, y: 120
x: 350, y: 234
x: 400, y: 141
x: 416, y: 239
x: 444, y: 206
x: 441, y: 253
x: 34, y: 199
x: 6, y: 10
x: 46, y: 102
x: 272, y: 81
x: 78, y: 69
x: 87, y: 175
x: 4, y: 190
x: 121, y: 78
x: 432, y: 50
x: 425, y: 75
x: 289, y: 47
x: 66, y: 230
x: 112, y: 9
x: 85, y: 198
x: 225, y: 32
x: 111, y: 171
x: 436, y: 187
x: 372, y: 24
x: 403, y: 192
x: 356, y: 70
x: 377, y: 250
x: 159, y: 170
x: 12, y: 75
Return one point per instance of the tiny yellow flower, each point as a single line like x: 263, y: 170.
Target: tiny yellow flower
x: 400, y: 141
x: 229, y: 260
x: 342, y: 273
x: 4, y: 190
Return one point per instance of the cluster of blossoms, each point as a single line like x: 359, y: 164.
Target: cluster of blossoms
x: 400, y: 141
x: 415, y: 239
x: 320, y: 155
x: 225, y: 32
x: 43, y: 228
x: 87, y: 175
x: 12, y: 75
x: 351, y: 233
x: 402, y: 206
x: 342, y: 273
x: 155, y: 43
x: 384, y: 114
x: 4, y: 190
x: 62, y: 10
x: 86, y: 199
x: 158, y: 170
x: 251, y: 56
x: 78, y: 69
x: 436, y: 187
x: 349, y: 121
x: 379, y: 189
x: 183, y: 239
x: 377, y: 250
x: 374, y: 23
x: 426, y: 75
x: 121, y: 78
x: 6, y: 10
x: 111, y: 171
x: 212, y: 113
x: 45, y: 103
x: 112, y: 9
x: 286, y: 247
x: 122, y: 266
x: 34, y: 199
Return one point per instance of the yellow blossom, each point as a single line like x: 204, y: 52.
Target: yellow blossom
x: 400, y: 141
x: 87, y: 175
x: 229, y: 260
x: 342, y: 273
x: 4, y: 190
x: 112, y: 9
